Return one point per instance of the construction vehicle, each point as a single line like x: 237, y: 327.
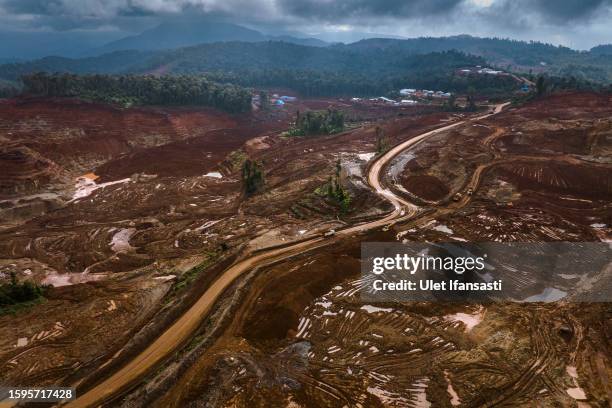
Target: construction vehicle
x: 330, y: 233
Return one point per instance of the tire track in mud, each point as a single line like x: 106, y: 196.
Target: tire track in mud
x: 533, y: 376
x: 475, y: 181
x: 189, y: 322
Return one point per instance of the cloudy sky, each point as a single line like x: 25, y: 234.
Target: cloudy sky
x: 575, y: 23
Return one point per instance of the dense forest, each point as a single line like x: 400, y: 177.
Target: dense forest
x: 317, y: 71
x: 366, y: 68
x: 311, y: 71
x: 313, y: 83
x: 120, y: 62
x: 141, y: 90
x: 513, y: 55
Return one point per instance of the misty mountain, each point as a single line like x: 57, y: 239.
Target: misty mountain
x: 112, y: 63
x: 27, y: 45
x: 176, y: 34
x: 181, y: 33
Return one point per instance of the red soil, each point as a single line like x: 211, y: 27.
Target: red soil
x: 76, y: 136
x: 585, y: 182
x: 426, y: 186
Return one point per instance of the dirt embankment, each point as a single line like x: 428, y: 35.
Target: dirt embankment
x: 426, y: 186
x: 541, y: 171
x: 75, y: 136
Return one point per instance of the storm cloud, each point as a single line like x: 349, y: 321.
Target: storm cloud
x: 347, y: 10
x: 579, y: 23
x: 565, y: 11
x: 559, y: 11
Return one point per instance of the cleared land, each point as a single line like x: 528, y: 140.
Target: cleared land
x: 295, y: 332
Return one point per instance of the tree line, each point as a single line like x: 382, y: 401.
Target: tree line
x: 312, y: 83
x: 130, y: 90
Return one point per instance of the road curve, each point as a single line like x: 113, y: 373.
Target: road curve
x: 178, y: 333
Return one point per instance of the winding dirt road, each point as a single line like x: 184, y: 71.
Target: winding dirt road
x: 187, y: 324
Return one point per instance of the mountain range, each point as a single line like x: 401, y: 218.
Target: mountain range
x: 205, y: 46
x: 28, y: 45
x: 176, y: 34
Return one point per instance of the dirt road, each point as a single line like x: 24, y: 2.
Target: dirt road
x: 188, y: 323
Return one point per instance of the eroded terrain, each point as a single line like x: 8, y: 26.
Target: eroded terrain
x: 303, y: 337
x: 140, y: 203
x: 131, y: 214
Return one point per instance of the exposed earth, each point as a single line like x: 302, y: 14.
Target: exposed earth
x: 132, y: 214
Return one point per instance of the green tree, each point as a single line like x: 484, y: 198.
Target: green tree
x: 127, y: 90
x: 264, y: 100
x: 15, y: 292
x: 451, y: 104
x: 471, y: 105
x: 336, y: 192
x: 317, y: 123
x: 382, y: 142
x: 541, y: 86
x: 252, y: 177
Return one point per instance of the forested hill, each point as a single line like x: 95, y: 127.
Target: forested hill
x: 495, y: 50
x: 369, y: 67
x: 520, y: 56
x: 112, y: 63
x: 326, y: 71
x: 239, y: 56
x: 373, y: 56
x: 604, y: 49
x: 307, y: 70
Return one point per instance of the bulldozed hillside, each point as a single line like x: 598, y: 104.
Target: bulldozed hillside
x: 131, y: 214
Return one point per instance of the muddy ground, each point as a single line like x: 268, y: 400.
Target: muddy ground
x: 303, y: 337
x: 161, y: 212
x: 300, y: 335
x: 544, y: 173
x: 127, y: 211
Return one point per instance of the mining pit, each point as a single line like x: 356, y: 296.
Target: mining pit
x: 131, y: 214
